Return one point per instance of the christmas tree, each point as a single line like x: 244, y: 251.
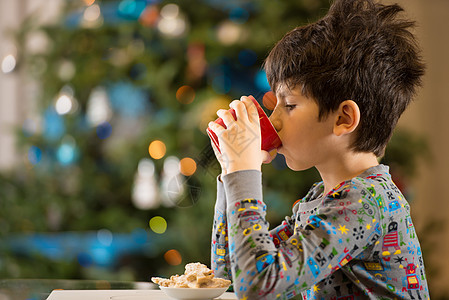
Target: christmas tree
x: 118, y: 176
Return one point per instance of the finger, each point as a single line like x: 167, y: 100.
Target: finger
x: 240, y: 110
x: 226, y: 116
x: 216, y: 151
x: 216, y: 128
x: 268, y: 156
x: 253, y: 114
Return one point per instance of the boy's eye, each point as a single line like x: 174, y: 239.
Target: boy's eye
x: 290, y: 106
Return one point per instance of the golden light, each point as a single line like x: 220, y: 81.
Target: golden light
x: 185, y: 94
x: 187, y: 166
x: 269, y: 100
x: 89, y: 2
x: 157, y: 149
x: 208, y: 111
x: 173, y: 257
x: 158, y: 224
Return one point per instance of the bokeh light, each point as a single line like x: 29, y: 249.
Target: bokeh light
x: 261, y: 81
x: 54, y: 126
x: 158, y: 224
x: 34, y: 155
x: 187, y: 166
x: 238, y: 15
x: 104, y: 130
x: 185, y: 94
x: 247, y: 57
x: 157, y: 149
x: 140, y: 235
x: 173, y: 257
x: 149, y: 16
x: 221, y: 84
x: 63, y: 104
x: 229, y: 33
x: 269, y: 100
x: 89, y: 2
x: 67, y: 154
x: 172, y: 23
x: 170, y: 11
x: 105, y: 237
x: 98, y: 107
x: 8, y: 63
x: 92, y: 13
x: 84, y: 259
x: 66, y: 70
x: 131, y: 9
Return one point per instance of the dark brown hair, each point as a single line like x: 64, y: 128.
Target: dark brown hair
x: 360, y: 51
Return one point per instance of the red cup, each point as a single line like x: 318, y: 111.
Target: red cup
x: 270, y: 138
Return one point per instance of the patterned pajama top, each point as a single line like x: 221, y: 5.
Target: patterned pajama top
x: 356, y: 242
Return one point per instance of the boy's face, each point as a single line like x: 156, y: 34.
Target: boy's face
x: 306, y: 142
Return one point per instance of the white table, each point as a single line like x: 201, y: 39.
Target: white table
x: 118, y: 295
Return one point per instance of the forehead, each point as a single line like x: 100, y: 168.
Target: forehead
x: 283, y: 91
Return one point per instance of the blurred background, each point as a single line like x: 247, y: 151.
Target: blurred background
x: 106, y: 172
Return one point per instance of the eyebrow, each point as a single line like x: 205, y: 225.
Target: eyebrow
x: 281, y: 96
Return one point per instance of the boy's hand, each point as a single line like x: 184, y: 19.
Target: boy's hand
x: 240, y: 142
x: 221, y: 159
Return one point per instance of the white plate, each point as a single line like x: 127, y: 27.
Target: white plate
x: 192, y: 293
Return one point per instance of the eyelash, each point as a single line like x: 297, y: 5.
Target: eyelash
x: 290, y: 106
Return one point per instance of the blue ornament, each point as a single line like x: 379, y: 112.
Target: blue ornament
x: 131, y: 9
x: 54, y: 126
x: 84, y: 259
x: 261, y: 81
x: 129, y: 100
x: 104, y: 130
x: 67, y: 154
x: 34, y: 155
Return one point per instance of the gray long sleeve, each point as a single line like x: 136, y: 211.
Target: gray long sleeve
x: 357, y: 242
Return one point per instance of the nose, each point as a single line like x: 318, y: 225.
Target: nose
x: 275, y: 120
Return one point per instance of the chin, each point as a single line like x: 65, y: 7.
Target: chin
x: 296, y: 166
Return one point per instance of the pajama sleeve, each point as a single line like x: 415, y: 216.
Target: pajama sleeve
x: 219, y: 245
x: 264, y: 268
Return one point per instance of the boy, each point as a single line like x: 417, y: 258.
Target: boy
x: 341, y: 85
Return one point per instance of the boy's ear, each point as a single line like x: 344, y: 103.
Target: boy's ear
x: 347, y: 118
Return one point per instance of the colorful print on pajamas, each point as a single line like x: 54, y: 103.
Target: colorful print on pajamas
x: 356, y: 242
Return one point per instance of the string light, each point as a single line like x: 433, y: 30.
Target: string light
x: 145, y: 193
x: 187, y: 166
x: 104, y: 130
x: 89, y: 2
x: 158, y: 224
x: 34, y: 155
x: 63, y: 104
x: 67, y: 152
x: 269, y: 100
x: 185, y: 94
x: 98, y: 107
x: 66, y: 70
x: 173, y: 257
x: 105, y: 237
x: 92, y: 13
x: 229, y: 33
x: 8, y: 63
x: 172, y: 23
x: 157, y: 149
x: 172, y: 182
x: 92, y: 16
